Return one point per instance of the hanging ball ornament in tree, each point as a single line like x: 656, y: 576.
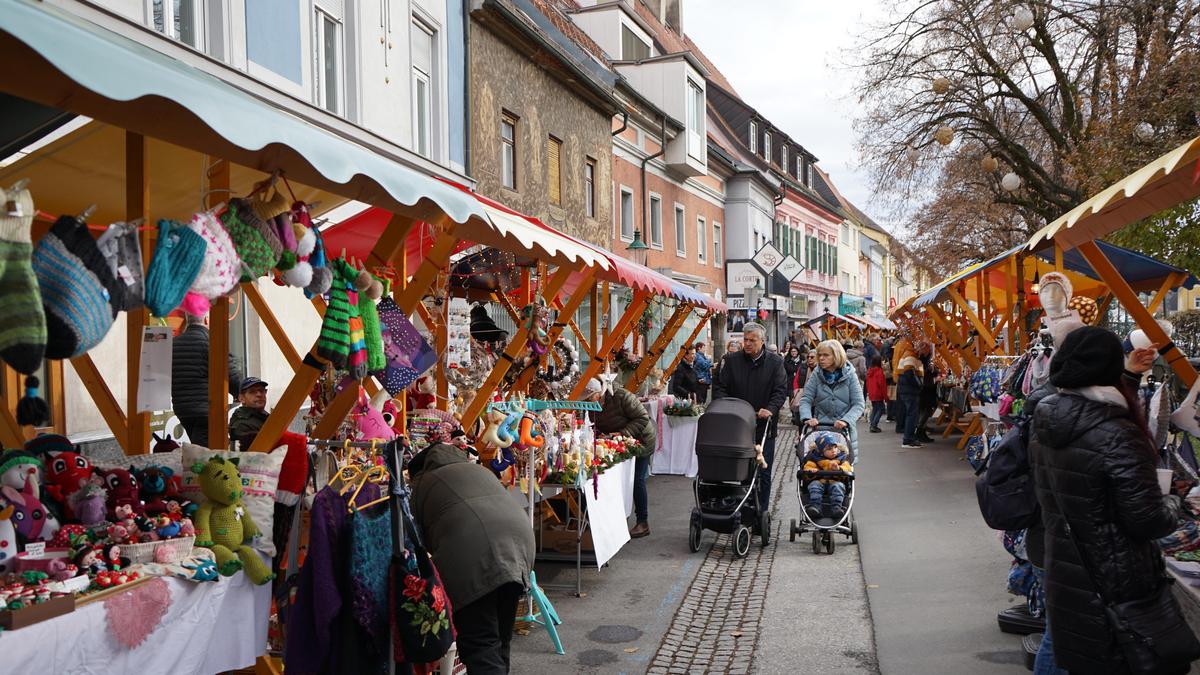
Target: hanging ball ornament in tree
x: 989, y: 164
x: 1022, y: 19
x: 912, y: 154
x: 1144, y: 131
x: 941, y: 85
x: 1011, y: 182
x: 944, y: 135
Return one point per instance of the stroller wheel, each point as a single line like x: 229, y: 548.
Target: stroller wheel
x: 765, y: 529
x: 816, y: 541
x: 741, y: 541
x: 830, y: 543
x: 792, y: 531
x: 854, y: 532
x: 695, y: 530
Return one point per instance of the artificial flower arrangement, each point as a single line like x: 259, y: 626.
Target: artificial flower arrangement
x: 607, y: 452
x: 684, y: 408
x: 626, y: 361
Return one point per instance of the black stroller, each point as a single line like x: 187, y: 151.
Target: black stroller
x: 726, y: 485
x: 826, y: 526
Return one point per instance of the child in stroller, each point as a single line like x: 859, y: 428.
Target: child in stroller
x: 827, y: 453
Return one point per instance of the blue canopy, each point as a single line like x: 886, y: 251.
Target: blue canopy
x: 1140, y: 271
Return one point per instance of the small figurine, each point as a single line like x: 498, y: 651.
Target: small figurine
x: 122, y: 491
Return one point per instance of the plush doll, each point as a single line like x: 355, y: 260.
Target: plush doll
x: 154, y: 488
x: 491, y: 436
x: 166, y: 528
x: 18, y: 466
x: 423, y: 393
x: 8, y: 539
x: 68, y: 535
x: 89, y: 504
x: 223, y: 524
x: 122, y: 491
x: 66, y: 473
x: 203, y: 570
x: 371, y: 423
x: 90, y: 560
x: 31, y: 519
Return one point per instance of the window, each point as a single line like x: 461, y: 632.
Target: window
x: 1196, y: 303
x: 799, y: 167
x: 808, y: 178
x: 422, y: 72
x: 328, y: 54
x: 656, y: 221
x: 626, y: 214
x: 508, y: 151
x: 717, y: 261
x: 701, y: 239
x: 554, y: 169
x: 753, y: 137
x: 181, y: 20
x: 589, y: 188
x: 767, y: 146
x: 633, y: 48
x: 695, y: 121
x: 845, y: 234
x: 783, y: 158
x: 680, y: 233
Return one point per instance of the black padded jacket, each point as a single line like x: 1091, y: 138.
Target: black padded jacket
x: 189, y: 373
x: 1102, y: 466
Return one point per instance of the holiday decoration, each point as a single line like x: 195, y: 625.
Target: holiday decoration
x: 941, y: 85
x: 458, y: 330
x: 1144, y: 131
x: 1022, y: 19
x: 1011, y: 182
x: 989, y: 164
x: 944, y: 135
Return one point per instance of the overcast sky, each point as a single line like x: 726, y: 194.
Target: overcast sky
x: 785, y: 58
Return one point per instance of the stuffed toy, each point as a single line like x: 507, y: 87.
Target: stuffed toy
x: 423, y: 393
x: 166, y: 528
x: 495, y: 422
x: 154, y: 488
x: 19, y: 466
x: 66, y: 474
x: 372, y: 425
x: 89, y: 504
x: 203, y: 570
x: 223, y: 524
x: 69, y: 536
x: 8, y: 539
x: 30, y: 517
x: 122, y: 488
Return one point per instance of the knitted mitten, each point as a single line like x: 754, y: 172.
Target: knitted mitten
x: 23, y: 332
x: 178, y: 256
x: 376, y: 359
x: 77, y: 288
x: 254, y: 251
x: 333, y: 343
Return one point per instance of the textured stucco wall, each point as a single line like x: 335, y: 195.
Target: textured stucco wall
x: 503, y: 79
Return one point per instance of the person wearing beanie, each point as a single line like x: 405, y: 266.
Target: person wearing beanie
x: 77, y: 289
x: 622, y: 413
x: 1094, y: 472
x: 189, y: 378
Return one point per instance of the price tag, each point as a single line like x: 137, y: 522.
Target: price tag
x: 125, y: 275
x: 35, y: 549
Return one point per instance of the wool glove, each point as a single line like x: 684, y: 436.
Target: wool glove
x: 23, y: 331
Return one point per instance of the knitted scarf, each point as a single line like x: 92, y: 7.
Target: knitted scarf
x: 357, y: 363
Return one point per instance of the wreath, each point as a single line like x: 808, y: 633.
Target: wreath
x: 626, y: 361
x: 570, y: 365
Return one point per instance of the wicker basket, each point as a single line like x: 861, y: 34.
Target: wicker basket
x: 180, y: 548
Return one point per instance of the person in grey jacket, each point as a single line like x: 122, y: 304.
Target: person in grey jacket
x: 832, y: 394
x: 483, y: 547
x: 189, y: 379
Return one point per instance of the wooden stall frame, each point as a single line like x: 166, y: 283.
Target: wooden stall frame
x: 670, y: 328
x: 137, y: 205
x: 616, y: 336
x: 218, y: 332
x: 587, y: 285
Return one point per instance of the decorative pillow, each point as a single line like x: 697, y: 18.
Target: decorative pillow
x: 260, y: 476
x: 172, y: 460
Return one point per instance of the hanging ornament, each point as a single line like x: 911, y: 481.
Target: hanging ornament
x: 1022, y: 19
x: 1011, y: 182
x: 912, y: 154
x: 1144, y: 131
x: 989, y: 164
x: 941, y: 85
x: 944, y: 135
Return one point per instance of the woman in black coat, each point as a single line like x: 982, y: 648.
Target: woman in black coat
x: 792, y: 363
x: 1092, y: 456
x: 685, y: 384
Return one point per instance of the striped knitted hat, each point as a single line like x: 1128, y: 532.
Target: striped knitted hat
x: 77, y: 289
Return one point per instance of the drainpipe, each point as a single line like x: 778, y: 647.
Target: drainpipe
x: 662, y: 149
x: 624, y: 123
x: 466, y: 9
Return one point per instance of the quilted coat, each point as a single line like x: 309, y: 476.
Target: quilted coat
x: 1102, y: 465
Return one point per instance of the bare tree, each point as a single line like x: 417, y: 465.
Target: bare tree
x: 1067, y: 95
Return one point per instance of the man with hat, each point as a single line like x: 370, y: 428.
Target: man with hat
x: 248, y: 419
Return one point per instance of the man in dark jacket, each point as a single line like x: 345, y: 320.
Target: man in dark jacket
x: 757, y: 377
x: 189, y: 379
x: 1094, y: 467
x: 246, y: 421
x: 622, y: 413
x: 685, y: 382
x: 483, y: 546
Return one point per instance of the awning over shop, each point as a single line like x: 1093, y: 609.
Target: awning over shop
x: 51, y: 57
x: 832, y: 317
x: 1169, y: 180
x: 1140, y: 271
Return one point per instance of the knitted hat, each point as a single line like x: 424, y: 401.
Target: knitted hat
x: 1088, y: 311
x: 23, y: 332
x: 287, y: 237
x: 178, y: 257
x: 123, y: 250
x: 255, y: 252
x: 221, y: 268
x: 593, y: 387
x: 77, y: 289
x: 1088, y: 357
x: 49, y: 444
x: 11, y: 458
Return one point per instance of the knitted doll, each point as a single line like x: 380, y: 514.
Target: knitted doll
x: 223, y: 524
x: 301, y: 275
x: 32, y: 520
x: 8, y: 540
x: 122, y: 492
x: 154, y: 484
x: 23, y: 332
x: 66, y: 474
x: 322, y: 274
x: 19, y: 466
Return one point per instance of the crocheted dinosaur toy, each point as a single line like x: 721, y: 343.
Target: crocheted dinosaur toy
x: 223, y: 524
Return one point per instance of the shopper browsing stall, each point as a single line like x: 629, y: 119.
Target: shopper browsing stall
x: 250, y: 417
x: 622, y: 413
x: 704, y: 371
x: 685, y: 383
x: 189, y: 378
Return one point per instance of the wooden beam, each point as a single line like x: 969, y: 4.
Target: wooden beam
x: 336, y: 411
x: 218, y: 331
x: 435, y: 259
x: 137, y: 205
x: 654, y: 351
x: 984, y: 333
x: 1173, y: 279
x: 1145, y: 320
x: 13, y: 390
x: 567, y: 309
x: 583, y: 341
x: 10, y: 431
x: 104, y: 400
x: 267, y: 316
x: 593, y: 328
x: 58, y: 399
x: 1058, y: 258
x: 615, y: 337
x: 1104, y: 304
x: 670, y: 370
x: 950, y: 331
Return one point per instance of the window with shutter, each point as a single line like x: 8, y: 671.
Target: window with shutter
x: 554, y: 169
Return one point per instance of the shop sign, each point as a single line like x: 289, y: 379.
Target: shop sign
x: 740, y: 275
x: 790, y: 268
x: 769, y: 258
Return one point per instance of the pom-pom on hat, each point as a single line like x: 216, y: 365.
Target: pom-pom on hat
x: 77, y: 289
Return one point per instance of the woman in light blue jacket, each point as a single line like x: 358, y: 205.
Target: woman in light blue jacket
x: 832, y: 394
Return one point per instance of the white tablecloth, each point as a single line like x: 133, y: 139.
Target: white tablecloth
x: 676, y: 452
x: 607, y: 511
x: 209, y: 628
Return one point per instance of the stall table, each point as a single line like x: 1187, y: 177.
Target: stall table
x: 675, y: 453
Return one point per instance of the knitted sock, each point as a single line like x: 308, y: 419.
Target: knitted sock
x: 357, y: 362
x: 376, y: 360
x: 23, y: 331
x: 333, y: 343
x: 77, y: 288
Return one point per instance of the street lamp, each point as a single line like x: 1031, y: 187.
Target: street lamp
x: 637, y: 249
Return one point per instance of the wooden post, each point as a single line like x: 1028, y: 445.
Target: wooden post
x: 57, y: 401
x: 265, y: 314
x: 954, y: 334
x: 654, y: 351
x: 1010, y: 281
x: 1173, y: 279
x: 441, y: 342
x: 137, y: 205
x: 594, y: 319
x: 691, y: 338
x: 606, y: 305
x: 1145, y: 320
x: 985, y: 333
x: 1019, y: 313
x: 218, y: 333
x: 10, y: 431
x: 336, y: 411
x: 615, y: 337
